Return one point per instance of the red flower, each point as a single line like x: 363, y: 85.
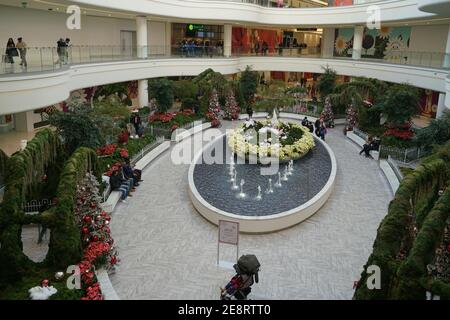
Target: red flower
x: 188, y: 112
x: 107, y: 150
x: 174, y: 127
x: 215, y: 123
x: 124, y: 153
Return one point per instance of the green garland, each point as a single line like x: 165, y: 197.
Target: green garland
x: 3, y: 160
x: 65, y: 241
x: 414, y: 269
x: 417, y: 197
x: 23, y: 171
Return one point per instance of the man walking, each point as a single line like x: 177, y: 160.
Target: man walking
x: 22, y: 47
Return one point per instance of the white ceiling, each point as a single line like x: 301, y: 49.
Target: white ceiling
x: 60, y: 6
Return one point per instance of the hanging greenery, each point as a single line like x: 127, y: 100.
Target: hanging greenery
x: 65, y: 243
x: 3, y: 160
x: 398, y: 235
x: 24, y: 170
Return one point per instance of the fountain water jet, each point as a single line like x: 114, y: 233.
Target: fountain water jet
x: 242, y: 195
x: 270, y: 189
x: 278, y: 184
x: 259, y: 196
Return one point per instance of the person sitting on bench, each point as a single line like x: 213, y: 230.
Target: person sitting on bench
x: 120, y: 184
x: 366, y: 148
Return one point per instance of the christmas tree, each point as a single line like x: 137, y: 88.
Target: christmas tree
x: 351, y: 116
x: 231, y: 109
x: 214, y: 109
x: 327, y: 113
x: 93, y: 222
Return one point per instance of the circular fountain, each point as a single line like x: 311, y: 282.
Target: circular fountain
x: 260, y: 200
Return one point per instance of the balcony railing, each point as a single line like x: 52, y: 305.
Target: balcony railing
x: 302, y: 3
x: 53, y: 59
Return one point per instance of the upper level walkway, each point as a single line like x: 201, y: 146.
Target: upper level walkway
x: 293, y: 12
x: 45, y: 82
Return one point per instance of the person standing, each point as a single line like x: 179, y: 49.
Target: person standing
x: 317, y: 126
x: 265, y: 48
x: 67, y: 48
x: 136, y: 121
x: 250, y: 111
x: 11, y: 51
x: 60, y: 44
x: 257, y: 47
x: 323, y: 130
x: 22, y: 47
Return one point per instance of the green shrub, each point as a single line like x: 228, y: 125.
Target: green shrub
x: 415, y: 193
x: 162, y: 90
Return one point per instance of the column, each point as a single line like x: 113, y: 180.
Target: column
x: 327, y: 42
x: 24, y: 121
x: 142, y: 37
x: 357, y: 42
x: 143, y: 93
x: 447, y: 50
x: 227, y: 30
x: 168, y: 38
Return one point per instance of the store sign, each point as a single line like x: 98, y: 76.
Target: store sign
x: 229, y: 232
x: 195, y: 27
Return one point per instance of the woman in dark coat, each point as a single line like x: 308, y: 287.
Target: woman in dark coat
x: 11, y: 51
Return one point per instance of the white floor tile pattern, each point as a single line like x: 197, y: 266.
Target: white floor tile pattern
x: 168, y: 251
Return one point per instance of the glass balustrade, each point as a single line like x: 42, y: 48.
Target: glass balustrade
x: 302, y: 3
x: 54, y: 59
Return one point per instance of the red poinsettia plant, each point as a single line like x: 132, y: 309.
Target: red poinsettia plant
x: 215, y: 123
x: 403, y: 132
x: 163, y: 117
x: 115, y: 167
x: 106, y: 150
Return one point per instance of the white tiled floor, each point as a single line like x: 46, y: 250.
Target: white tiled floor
x: 168, y: 251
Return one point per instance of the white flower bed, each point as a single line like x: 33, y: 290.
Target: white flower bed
x: 245, y: 143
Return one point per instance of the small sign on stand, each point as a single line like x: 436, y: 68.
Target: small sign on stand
x: 228, y: 234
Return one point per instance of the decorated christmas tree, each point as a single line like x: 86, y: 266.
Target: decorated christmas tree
x: 98, y: 245
x: 214, y: 109
x: 327, y: 113
x: 92, y: 220
x: 351, y: 117
x: 231, y: 110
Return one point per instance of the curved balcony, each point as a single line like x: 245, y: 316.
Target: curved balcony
x: 250, y: 12
x: 49, y: 83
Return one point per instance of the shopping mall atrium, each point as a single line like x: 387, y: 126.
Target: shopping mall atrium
x: 225, y: 150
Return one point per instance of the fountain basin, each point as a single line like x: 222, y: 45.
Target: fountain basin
x: 211, y: 193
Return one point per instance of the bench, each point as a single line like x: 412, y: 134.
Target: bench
x: 113, y: 199
x: 152, y: 155
x: 181, y: 134
x: 390, y: 175
x: 360, y: 142
x: 114, y: 196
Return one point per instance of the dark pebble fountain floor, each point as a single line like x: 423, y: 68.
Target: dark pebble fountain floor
x: 310, y: 175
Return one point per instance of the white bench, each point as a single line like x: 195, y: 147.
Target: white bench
x: 152, y: 155
x: 244, y: 116
x: 181, y: 134
x: 113, y: 199
x: 390, y: 175
x: 360, y: 142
